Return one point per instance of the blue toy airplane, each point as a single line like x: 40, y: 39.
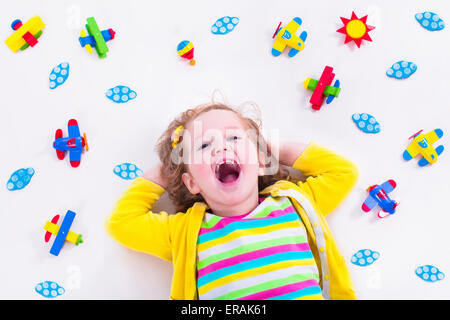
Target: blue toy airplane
x: 62, y: 232
x: 285, y: 37
x: 74, y: 143
x: 378, y: 195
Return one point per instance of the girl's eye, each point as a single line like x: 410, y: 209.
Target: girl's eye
x: 234, y: 138
x: 203, y: 146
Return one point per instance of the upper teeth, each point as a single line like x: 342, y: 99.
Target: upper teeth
x: 226, y: 162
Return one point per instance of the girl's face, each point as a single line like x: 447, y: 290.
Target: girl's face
x: 222, y: 161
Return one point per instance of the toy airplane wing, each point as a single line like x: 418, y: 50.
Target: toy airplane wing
x: 294, y: 24
x: 59, y: 153
x: 434, y: 136
x: 369, y: 204
x: 334, y: 94
x: 411, y: 151
x: 53, y: 229
x: 74, y: 130
x: 50, y: 227
x: 62, y: 233
x: 75, y: 158
x: 278, y: 48
x: 388, y: 186
x: 325, y: 79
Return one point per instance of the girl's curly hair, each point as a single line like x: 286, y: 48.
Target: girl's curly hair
x: 173, y: 170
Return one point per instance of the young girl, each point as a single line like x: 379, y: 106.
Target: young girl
x: 241, y: 232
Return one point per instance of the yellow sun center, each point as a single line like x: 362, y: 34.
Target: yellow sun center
x: 356, y: 29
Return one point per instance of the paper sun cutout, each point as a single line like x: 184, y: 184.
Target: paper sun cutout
x: 356, y: 29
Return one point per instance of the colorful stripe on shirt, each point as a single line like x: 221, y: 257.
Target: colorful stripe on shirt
x: 260, y: 255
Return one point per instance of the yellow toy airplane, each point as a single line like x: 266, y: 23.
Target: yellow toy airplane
x: 25, y: 35
x: 286, y: 38
x: 423, y: 144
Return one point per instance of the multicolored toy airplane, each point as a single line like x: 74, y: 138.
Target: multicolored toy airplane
x: 286, y: 38
x: 423, y: 144
x: 378, y: 195
x: 322, y: 88
x: 74, y: 143
x: 96, y: 38
x: 25, y: 35
x: 62, y: 232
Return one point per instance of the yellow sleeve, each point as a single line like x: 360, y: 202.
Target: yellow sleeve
x: 329, y: 176
x: 134, y: 225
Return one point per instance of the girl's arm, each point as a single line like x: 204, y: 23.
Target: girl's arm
x: 329, y: 177
x: 288, y: 152
x: 132, y: 222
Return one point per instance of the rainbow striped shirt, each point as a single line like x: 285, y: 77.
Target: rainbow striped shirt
x: 263, y: 254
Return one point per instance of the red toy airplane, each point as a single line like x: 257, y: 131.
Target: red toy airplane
x: 322, y: 88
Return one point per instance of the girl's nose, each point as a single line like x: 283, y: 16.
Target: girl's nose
x: 219, y: 149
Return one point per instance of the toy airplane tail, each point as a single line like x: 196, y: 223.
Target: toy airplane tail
x: 59, y: 153
x: 108, y: 34
x: 383, y: 213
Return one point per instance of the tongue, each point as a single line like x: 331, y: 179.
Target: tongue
x: 228, y: 173
x: 228, y: 178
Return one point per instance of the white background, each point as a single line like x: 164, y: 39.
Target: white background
x: 143, y: 56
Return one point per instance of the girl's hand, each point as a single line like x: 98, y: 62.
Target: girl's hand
x: 154, y: 175
x: 287, y: 152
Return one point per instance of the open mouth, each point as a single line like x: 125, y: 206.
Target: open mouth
x: 227, y: 171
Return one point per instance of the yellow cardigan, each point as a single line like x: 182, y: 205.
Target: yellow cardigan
x: 329, y: 178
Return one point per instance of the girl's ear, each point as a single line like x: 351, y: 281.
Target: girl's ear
x: 261, y: 160
x: 268, y: 162
x: 190, y: 183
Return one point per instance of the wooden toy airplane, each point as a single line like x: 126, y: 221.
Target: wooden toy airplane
x: 74, y: 143
x: 25, y: 35
x: 378, y: 195
x: 322, y: 88
x: 285, y: 37
x: 62, y: 232
x: 96, y: 38
x: 423, y: 144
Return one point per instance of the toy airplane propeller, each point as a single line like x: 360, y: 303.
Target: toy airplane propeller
x: 96, y: 38
x: 285, y: 37
x: 74, y: 143
x: 322, y: 88
x: 25, y: 35
x: 378, y: 196
x: 423, y: 144
x: 62, y: 232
